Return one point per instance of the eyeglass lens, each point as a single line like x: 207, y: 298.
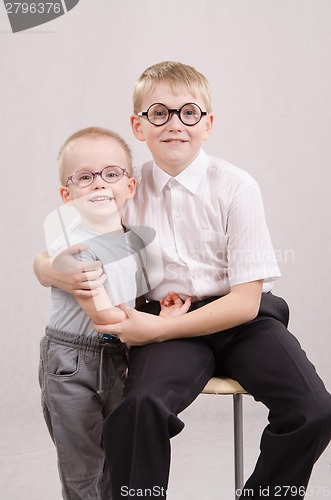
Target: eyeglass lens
x: 189, y: 114
x: 108, y: 174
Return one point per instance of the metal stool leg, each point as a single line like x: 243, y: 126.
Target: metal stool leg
x: 238, y: 443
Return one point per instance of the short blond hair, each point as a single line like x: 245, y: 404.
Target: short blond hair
x: 93, y: 132
x: 177, y: 76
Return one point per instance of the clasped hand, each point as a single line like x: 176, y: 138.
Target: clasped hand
x: 141, y: 328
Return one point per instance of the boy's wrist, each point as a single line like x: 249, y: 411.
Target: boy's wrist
x: 167, y: 329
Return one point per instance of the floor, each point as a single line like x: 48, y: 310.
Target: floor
x: 202, y: 455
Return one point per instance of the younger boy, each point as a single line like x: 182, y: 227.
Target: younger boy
x: 82, y: 373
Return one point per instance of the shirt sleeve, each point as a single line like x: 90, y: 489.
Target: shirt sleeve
x: 251, y: 255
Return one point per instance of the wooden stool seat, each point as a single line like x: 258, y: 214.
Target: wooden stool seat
x: 220, y: 385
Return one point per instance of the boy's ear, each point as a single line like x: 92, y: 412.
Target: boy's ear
x: 136, y: 128
x: 131, y: 188
x: 65, y: 194
x: 209, y: 125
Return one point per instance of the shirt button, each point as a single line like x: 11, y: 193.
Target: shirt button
x: 177, y: 215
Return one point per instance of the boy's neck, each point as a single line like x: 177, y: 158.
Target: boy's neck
x: 103, y: 226
x: 174, y: 170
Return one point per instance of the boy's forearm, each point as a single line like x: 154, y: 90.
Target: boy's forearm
x: 107, y: 316
x: 238, y: 307
x: 100, y: 309
x: 43, y: 269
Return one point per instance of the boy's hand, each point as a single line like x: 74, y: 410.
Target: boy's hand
x: 65, y: 262
x: 81, y: 279
x: 138, y: 328
x: 173, y: 305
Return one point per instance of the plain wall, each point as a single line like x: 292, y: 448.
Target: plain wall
x: 269, y: 66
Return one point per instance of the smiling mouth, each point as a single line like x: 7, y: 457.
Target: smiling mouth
x: 175, y: 141
x: 101, y: 199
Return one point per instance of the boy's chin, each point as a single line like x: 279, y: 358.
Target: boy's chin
x: 101, y: 213
x: 100, y: 210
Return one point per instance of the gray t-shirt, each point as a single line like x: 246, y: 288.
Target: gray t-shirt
x: 125, y: 262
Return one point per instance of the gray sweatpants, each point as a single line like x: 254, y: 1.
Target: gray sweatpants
x: 81, y: 382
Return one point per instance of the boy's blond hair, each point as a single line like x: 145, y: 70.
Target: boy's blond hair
x: 93, y: 132
x: 177, y: 76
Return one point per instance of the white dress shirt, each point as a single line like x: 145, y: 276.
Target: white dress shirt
x: 210, y: 225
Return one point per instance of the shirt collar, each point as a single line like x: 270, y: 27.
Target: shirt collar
x: 190, y: 177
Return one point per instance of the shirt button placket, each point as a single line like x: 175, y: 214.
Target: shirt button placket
x: 175, y: 204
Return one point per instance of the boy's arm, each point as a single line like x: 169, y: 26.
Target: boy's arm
x: 100, y: 309
x: 70, y: 274
x: 80, y: 278
x: 102, y: 312
x: 239, y: 306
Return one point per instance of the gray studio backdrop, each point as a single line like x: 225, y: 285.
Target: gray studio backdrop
x: 268, y: 62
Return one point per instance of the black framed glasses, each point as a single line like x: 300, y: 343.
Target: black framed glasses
x: 158, y: 114
x: 111, y: 174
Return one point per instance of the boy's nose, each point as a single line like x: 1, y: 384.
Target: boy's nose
x: 98, y: 182
x: 174, y: 122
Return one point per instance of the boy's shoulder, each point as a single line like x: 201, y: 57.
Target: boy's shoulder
x: 223, y: 167
x: 212, y: 166
x: 73, y: 234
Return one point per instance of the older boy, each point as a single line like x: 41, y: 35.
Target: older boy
x: 216, y: 248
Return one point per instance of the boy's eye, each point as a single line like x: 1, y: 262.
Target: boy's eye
x: 160, y: 114
x: 111, y: 174
x: 84, y: 177
x: 190, y: 112
x: 157, y: 112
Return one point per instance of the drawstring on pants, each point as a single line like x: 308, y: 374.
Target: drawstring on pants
x: 105, y: 340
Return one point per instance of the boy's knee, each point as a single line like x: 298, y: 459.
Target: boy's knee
x: 323, y: 416
x: 143, y: 401
x: 144, y: 408
x: 317, y: 416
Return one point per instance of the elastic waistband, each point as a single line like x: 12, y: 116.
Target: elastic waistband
x: 95, y: 343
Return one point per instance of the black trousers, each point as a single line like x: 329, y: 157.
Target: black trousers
x: 164, y: 378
